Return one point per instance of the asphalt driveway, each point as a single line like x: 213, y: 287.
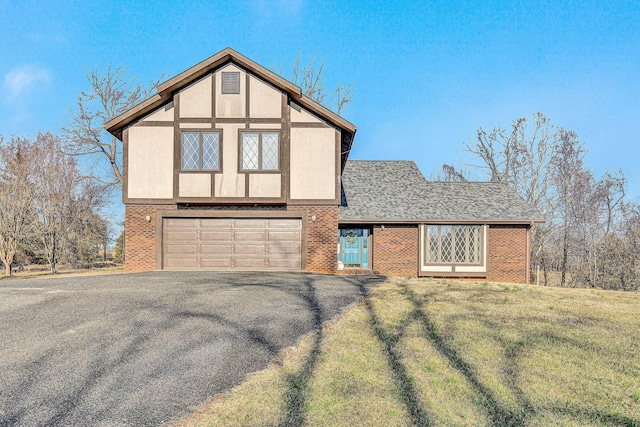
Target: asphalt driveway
x: 140, y: 349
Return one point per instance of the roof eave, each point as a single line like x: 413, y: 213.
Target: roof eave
x: 438, y: 221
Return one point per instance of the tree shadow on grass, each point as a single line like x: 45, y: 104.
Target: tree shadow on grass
x: 407, y: 392
x: 296, y: 397
x: 498, y: 413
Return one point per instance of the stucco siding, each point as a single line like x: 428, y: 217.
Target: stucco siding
x: 150, y: 163
x: 313, y: 164
x: 264, y: 100
x: 162, y: 114
x: 195, y: 100
x: 195, y: 185
x: 302, y: 116
x: 265, y: 185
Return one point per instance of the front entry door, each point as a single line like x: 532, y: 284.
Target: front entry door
x: 354, y: 247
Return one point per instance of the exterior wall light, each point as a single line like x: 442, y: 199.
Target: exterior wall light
x: 148, y: 217
x: 382, y: 227
x: 313, y: 218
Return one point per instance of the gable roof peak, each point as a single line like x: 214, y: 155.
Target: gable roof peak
x: 166, y: 90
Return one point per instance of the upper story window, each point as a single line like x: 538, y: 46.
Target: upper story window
x: 260, y: 151
x: 452, y: 244
x: 230, y: 82
x: 200, y: 151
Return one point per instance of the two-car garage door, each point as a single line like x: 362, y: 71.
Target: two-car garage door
x: 232, y: 244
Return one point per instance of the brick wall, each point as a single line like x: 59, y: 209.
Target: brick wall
x: 140, y: 237
x: 507, y: 254
x: 322, y: 237
x: 395, y: 250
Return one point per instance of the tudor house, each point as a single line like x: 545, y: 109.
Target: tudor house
x: 230, y: 167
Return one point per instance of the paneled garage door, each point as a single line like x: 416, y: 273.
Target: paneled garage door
x: 232, y: 244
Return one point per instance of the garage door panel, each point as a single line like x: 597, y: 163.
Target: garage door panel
x: 215, y: 263
x: 283, y: 223
x: 208, y: 249
x: 181, y: 223
x: 284, y: 248
x: 284, y: 263
x: 250, y: 223
x: 180, y: 263
x: 288, y: 236
x: 181, y: 236
x: 250, y: 249
x: 217, y: 224
x: 181, y: 249
x: 250, y: 263
x: 216, y: 236
x: 232, y: 244
x: 250, y: 236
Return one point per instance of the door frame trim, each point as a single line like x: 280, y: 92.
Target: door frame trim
x: 161, y: 214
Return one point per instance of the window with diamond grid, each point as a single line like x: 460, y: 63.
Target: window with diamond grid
x: 260, y: 151
x: 200, y: 151
x: 452, y: 244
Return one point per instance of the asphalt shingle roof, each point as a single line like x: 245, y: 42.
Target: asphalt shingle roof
x: 397, y: 191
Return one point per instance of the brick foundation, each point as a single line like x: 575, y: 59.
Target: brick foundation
x: 507, y: 254
x: 395, y: 250
x: 140, y: 237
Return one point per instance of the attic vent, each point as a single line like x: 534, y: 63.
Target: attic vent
x: 231, y: 83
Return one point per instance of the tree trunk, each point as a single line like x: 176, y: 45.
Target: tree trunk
x: 565, y: 250
x: 7, y: 268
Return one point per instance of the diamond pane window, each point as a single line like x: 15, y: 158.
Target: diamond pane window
x: 190, y: 151
x: 446, y: 243
x: 452, y: 244
x: 210, y: 152
x: 432, y: 243
x: 250, y: 151
x: 200, y: 151
x: 474, y: 244
x: 260, y: 151
x: 269, y: 151
x: 461, y: 243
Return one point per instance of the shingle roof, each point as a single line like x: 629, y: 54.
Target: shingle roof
x: 397, y: 191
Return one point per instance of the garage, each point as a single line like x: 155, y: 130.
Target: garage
x: 232, y: 244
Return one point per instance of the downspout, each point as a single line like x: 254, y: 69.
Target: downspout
x: 528, y: 255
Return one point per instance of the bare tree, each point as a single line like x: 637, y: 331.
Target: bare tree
x: 110, y: 94
x: 56, y: 180
x: 573, y: 192
x: 449, y: 173
x: 310, y: 78
x: 16, y: 197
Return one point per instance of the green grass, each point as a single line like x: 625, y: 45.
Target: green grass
x: 426, y: 352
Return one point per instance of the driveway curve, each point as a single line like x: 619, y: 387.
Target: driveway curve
x: 140, y: 349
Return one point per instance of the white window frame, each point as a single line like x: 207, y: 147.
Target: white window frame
x: 451, y: 260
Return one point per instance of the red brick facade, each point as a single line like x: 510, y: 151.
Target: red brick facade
x: 140, y: 237
x: 395, y: 250
x: 322, y: 237
x: 507, y: 254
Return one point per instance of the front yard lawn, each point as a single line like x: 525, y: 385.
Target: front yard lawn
x: 445, y: 352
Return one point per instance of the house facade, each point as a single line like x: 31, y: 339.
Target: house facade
x: 230, y: 167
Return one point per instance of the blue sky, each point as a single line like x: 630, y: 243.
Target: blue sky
x: 426, y: 74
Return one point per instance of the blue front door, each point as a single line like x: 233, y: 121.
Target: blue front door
x: 354, y: 247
